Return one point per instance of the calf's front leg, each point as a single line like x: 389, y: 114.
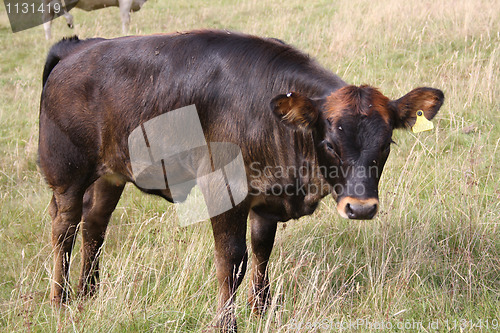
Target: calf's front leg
x: 263, y: 232
x: 231, y: 257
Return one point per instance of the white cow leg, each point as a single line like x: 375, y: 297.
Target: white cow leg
x: 46, y: 28
x: 125, y: 6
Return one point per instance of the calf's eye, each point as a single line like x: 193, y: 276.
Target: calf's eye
x: 331, y: 150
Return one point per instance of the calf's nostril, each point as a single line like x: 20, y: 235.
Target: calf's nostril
x: 348, y: 210
x: 372, y: 211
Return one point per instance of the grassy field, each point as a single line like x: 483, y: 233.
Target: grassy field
x: 430, y: 261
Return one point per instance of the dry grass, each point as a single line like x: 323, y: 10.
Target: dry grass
x: 431, y: 256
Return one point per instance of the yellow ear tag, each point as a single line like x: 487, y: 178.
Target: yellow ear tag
x: 422, y: 124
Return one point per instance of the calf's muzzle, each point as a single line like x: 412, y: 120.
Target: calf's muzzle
x: 357, y: 209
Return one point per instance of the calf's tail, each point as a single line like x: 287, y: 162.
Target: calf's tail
x: 61, y: 50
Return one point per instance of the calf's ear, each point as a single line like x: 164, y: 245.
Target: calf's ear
x: 429, y: 100
x: 295, y: 110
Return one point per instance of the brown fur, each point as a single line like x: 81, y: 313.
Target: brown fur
x: 347, y: 101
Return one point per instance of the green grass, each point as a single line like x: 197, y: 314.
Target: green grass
x: 432, y: 255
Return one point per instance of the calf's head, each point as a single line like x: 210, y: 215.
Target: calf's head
x: 352, y: 130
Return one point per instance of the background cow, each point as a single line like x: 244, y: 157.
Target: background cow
x: 277, y: 104
x: 126, y: 6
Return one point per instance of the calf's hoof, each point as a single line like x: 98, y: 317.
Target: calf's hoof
x: 259, y: 301
x: 227, y: 324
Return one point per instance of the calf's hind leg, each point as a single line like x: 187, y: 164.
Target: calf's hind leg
x: 99, y: 202
x: 66, y: 212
